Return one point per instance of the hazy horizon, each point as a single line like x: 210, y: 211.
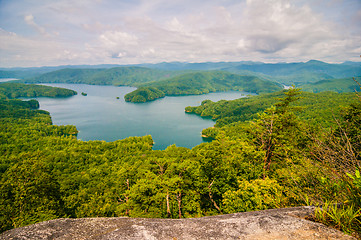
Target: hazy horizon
x: 174, y: 62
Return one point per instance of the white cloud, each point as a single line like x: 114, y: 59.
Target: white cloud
x: 16, y: 50
x: 181, y: 30
x: 115, y: 39
x: 29, y: 19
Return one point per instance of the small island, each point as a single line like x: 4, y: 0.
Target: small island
x: 144, y: 94
x: 84, y: 94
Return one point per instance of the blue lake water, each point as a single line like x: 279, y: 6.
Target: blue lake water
x: 100, y: 116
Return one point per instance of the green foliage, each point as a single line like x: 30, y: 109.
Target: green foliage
x: 226, y: 112
x: 46, y: 173
x: 352, y: 124
x: 144, y: 94
x: 336, y: 85
x: 16, y: 90
x: 278, y: 132
x: 29, y: 193
x: 354, y: 188
x: 346, y: 218
x: 254, y: 195
x: 210, y: 132
x: 336, y: 154
x: 317, y: 108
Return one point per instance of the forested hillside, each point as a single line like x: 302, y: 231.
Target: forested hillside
x: 277, y: 159
x: 129, y: 76
x: 336, y: 85
x: 16, y: 90
x: 319, y: 108
x: 205, y: 82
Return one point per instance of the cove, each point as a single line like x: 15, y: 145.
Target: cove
x: 101, y: 116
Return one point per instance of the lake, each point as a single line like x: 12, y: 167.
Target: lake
x: 101, y: 116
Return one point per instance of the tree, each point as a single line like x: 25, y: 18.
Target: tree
x: 337, y: 154
x: 258, y: 194
x: 277, y: 130
x: 29, y: 194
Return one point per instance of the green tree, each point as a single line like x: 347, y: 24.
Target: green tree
x: 29, y: 193
x: 258, y: 194
x: 278, y: 131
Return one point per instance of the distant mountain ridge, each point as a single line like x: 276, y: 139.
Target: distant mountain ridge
x: 29, y: 72
x: 118, y: 76
x: 302, y: 72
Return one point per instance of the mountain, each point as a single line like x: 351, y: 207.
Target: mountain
x: 300, y: 73
x: 65, y: 76
x: 204, y: 66
x: 22, y: 73
x: 297, y: 73
x: 130, y: 76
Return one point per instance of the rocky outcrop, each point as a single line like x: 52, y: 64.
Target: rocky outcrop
x: 287, y: 223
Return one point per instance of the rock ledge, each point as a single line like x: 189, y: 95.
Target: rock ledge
x: 286, y: 223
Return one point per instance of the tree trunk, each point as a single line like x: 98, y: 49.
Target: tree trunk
x: 127, y: 211
x: 211, y: 197
x: 179, y: 198
x: 168, y: 208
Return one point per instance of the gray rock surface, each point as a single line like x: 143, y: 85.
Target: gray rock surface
x: 286, y: 223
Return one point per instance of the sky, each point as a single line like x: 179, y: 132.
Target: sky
x: 71, y: 32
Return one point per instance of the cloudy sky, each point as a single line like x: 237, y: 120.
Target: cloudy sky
x: 58, y: 32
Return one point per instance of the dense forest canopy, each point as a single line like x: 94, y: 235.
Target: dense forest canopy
x: 275, y: 156
x: 337, y: 85
x: 144, y: 94
x: 318, y: 108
